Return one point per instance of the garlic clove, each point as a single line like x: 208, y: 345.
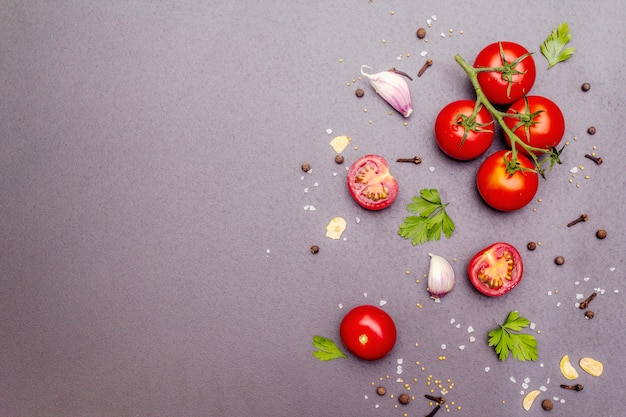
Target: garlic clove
x: 393, y: 88
x: 440, y: 276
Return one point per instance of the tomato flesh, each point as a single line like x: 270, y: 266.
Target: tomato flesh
x: 371, y: 184
x: 503, y: 191
x: 496, y: 270
x: 368, y: 332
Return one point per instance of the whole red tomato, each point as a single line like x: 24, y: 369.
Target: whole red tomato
x: 505, y: 191
x: 371, y: 184
x: 459, y: 135
x: 368, y: 332
x: 542, y: 124
x: 517, y: 74
x: 496, y: 270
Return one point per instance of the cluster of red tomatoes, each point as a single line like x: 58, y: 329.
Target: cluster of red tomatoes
x: 504, y: 73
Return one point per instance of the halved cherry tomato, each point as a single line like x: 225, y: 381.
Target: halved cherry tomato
x: 518, y: 74
x: 542, y: 126
x: 371, y: 184
x: 496, y: 270
x: 368, y: 332
x: 503, y: 191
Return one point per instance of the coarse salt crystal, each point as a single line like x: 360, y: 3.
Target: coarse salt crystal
x: 382, y: 303
x: 525, y: 385
x: 366, y: 397
x: 576, y: 282
x: 443, y: 346
x: 429, y: 21
x: 329, y: 131
x: 586, y: 279
x: 364, y: 294
x: 532, y: 326
x: 452, y: 321
x: 549, y: 292
x: 423, y: 53
x: 334, y: 174
x: 612, y: 269
x: 470, y: 329
x: 312, y: 208
x: 512, y: 379
x: 399, y: 361
x: 306, y: 190
x: 487, y: 369
x: 357, y: 220
x: 433, y: 17
x: 340, y: 305
x: 472, y: 339
x: 377, y: 406
x: 616, y: 291
x: 558, y: 304
x: 306, y: 207
x: 267, y: 251
x: 562, y: 400
x: 543, y: 388
x: 399, y: 369
x: 574, y: 170
x: 443, y: 35
x: 431, y: 169
x: 461, y: 347
x: 315, y: 184
x: 579, y: 296
x: 527, y: 380
x: 458, y: 325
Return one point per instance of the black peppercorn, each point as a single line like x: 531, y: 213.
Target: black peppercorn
x: 547, y: 405
x: 306, y: 167
x: 591, y: 130
x: 359, y: 92
x: 315, y: 249
x: 381, y: 391
x: 559, y: 260
x: 421, y: 33
x: 404, y: 399
x: 585, y: 87
x: 339, y: 159
x: 589, y: 314
x: 531, y: 246
x: 601, y: 234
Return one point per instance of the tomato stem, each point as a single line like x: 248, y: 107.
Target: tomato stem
x: 481, y: 99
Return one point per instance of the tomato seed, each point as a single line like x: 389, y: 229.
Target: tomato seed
x: 559, y: 260
x: 586, y: 87
x: 601, y: 234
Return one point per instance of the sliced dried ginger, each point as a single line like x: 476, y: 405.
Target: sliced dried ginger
x: 529, y: 399
x: 567, y: 369
x: 591, y: 366
x: 339, y: 143
x: 336, y: 227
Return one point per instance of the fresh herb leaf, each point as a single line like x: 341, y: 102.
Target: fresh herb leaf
x: 553, y: 48
x: 327, y: 349
x: 507, y: 338
x: 430, y: 220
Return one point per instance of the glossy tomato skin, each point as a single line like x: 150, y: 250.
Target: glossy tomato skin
x: 546, y: 128
x: 502, y: 191
x: 494, y: 84
x: 371, y: 184
x: 368, y: 332
x: 450, y: 130
x: 496, y: 270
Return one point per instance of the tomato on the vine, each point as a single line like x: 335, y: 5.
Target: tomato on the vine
x: 505, y: 191
x: 368, y: 332
x: 459, y: 135
x: 371, y: 184
x: 541, y: 125
x: 496, y: 270
x: 516, y: 76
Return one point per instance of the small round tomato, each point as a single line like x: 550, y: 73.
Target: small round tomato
x: 371, y: 184
x: 368, y: 332
x: 505, y: 191
x: 516, y: 75
x: 541, y: 125
x: 496, y: 270
x: 459, y: 135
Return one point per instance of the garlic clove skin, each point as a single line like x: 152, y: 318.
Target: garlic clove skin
x: 440, y: 276
x: 393, y: 88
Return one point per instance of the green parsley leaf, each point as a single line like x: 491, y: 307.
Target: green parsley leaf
x: 327, y: 349
x: 553, y: 48
x: 507, y: 338
x: 430, y: 220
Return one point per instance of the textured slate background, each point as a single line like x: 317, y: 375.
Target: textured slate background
x: 155, y: 224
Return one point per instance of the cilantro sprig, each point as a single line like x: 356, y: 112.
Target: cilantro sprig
x: 430, y: 218
x: 508, y: 338
x: 553, y: 48
x: 327, y: 350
